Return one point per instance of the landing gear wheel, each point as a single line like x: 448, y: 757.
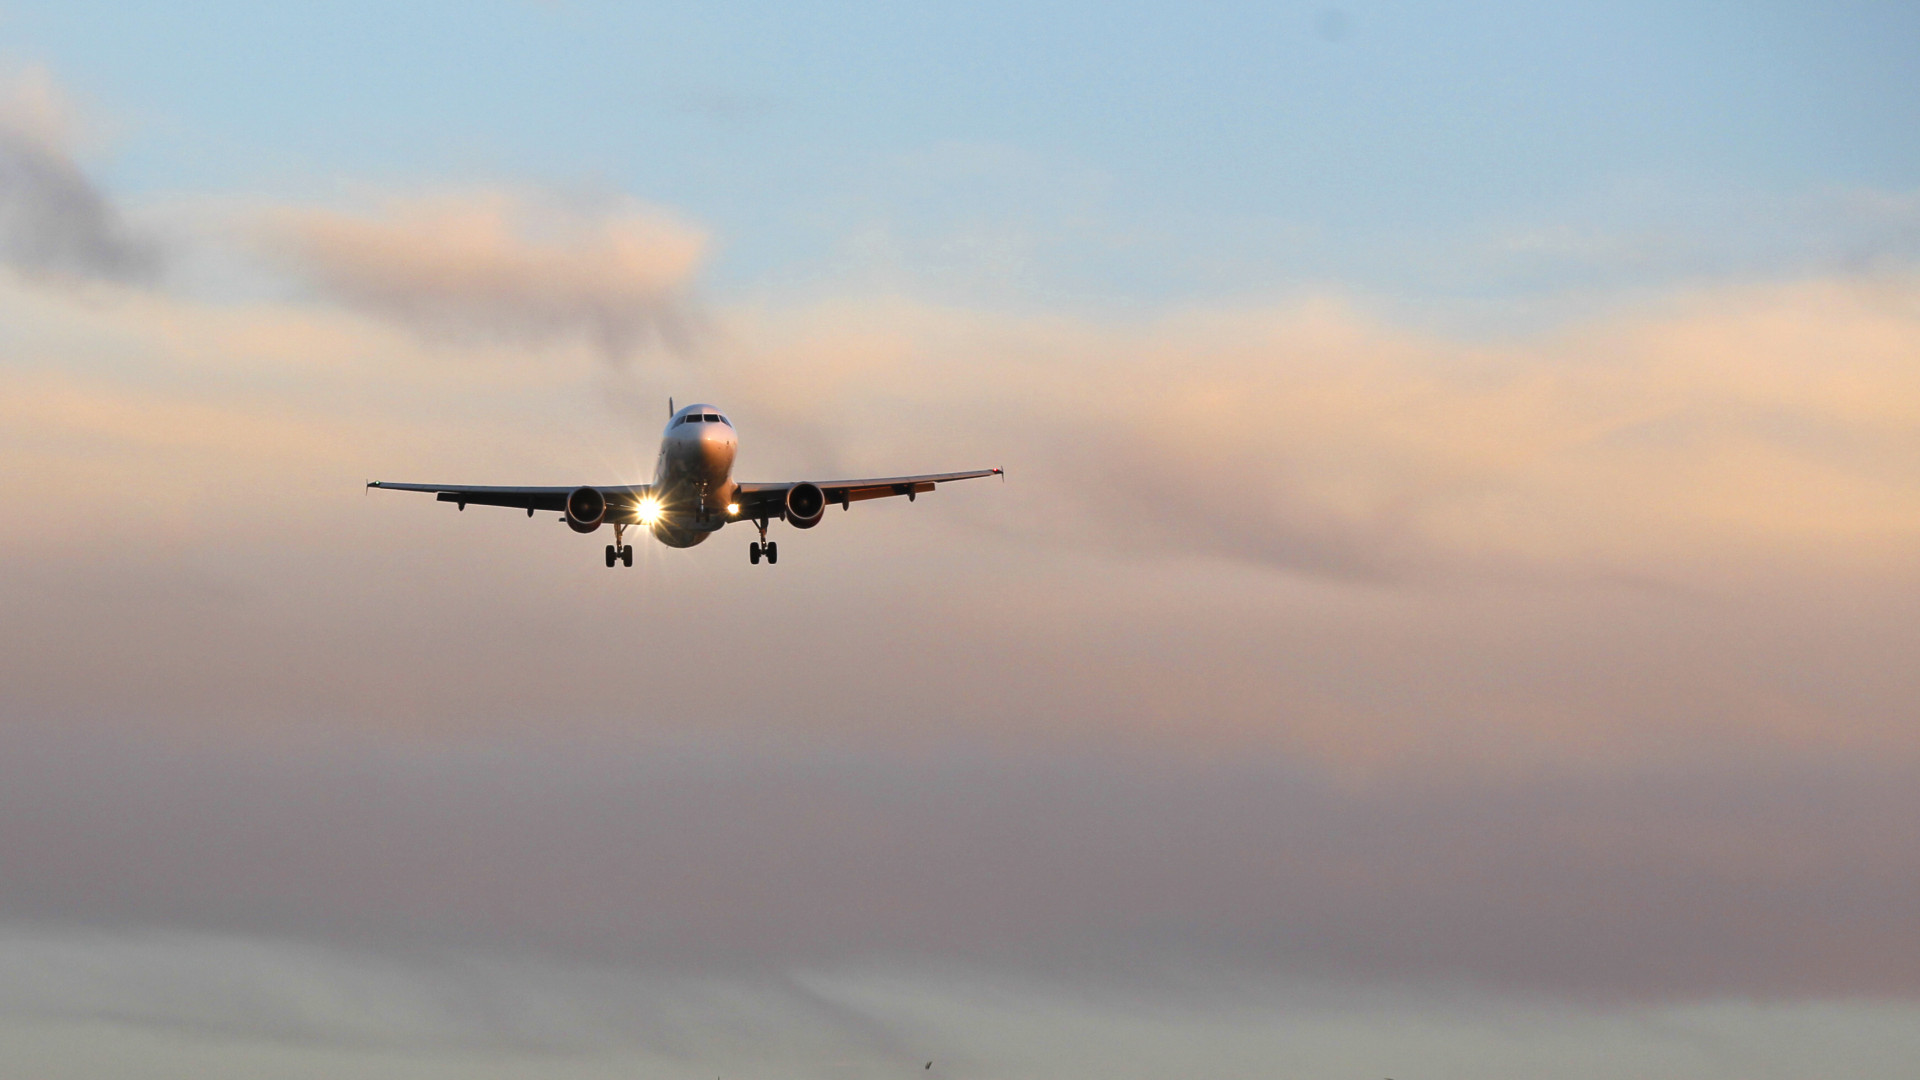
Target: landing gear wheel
x: 626, y: 555
x: 611, y: 556
x: 773, y: 552
x: 753, y: 553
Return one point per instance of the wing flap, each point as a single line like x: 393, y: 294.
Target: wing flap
x: 528, y: 500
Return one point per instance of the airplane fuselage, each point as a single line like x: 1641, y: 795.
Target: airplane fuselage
x: 693, y: 477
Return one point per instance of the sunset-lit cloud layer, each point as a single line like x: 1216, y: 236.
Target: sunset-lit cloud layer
x: 1347, y: 677
x: 1435, y: 600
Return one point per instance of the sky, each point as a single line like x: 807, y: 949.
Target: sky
x: 1449, y: 611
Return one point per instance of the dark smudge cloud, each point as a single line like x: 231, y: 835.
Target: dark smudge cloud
x: 1787, y: 881
x: 497, y: 266
x: 54, y: 221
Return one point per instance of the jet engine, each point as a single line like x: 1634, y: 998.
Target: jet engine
x: 805, y: 505
x: 586, y: 508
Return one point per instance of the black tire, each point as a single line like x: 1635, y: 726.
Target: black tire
x: 626, y: 555
x: 753, y: 553
x: 611, y: 555
x: 773, y: 553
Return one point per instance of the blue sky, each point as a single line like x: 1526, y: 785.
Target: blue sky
x: 1097, y: 155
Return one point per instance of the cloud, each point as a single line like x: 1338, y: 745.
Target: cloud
x: 1773, y: 882
x: 1687, y: 441
x: 1095, y: 739
x: 143, y: 1005
x: 55, y: 224
x: 496, y: 265
x: 1645, y: 237
x: 1599, y: 543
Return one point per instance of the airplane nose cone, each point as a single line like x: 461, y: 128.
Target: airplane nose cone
x: 716, y: 444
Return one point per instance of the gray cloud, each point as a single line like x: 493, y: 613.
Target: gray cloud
x: 1226, y: 496
x: 54, y: 221
x: 415, y: 1003
x: 1768, y: 881
x: 493, y: 265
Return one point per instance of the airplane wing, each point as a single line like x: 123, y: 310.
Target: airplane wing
x: 524, y: 498
x: 767, y: 500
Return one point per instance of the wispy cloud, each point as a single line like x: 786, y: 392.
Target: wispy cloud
x: 499, y: 265
x: 55, y: 223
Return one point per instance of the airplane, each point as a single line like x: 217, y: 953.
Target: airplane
x: 693, y: 494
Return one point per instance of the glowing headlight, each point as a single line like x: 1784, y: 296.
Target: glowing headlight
x: 649, y: 511
x: 733, y: 509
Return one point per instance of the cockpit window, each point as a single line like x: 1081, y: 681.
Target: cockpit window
x: 694, y: 418
x: 723, y: 419
x: 713, y: 418
x: 677, y: 421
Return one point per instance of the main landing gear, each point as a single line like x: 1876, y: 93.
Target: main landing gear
x: 764, y: 547
x: 618, y: 551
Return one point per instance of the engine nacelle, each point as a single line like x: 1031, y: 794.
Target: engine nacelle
x: 586, y: 509
x: 806, y: 503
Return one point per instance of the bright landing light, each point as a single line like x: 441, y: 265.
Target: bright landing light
x: 733, y: 509
x: 649, y: 511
